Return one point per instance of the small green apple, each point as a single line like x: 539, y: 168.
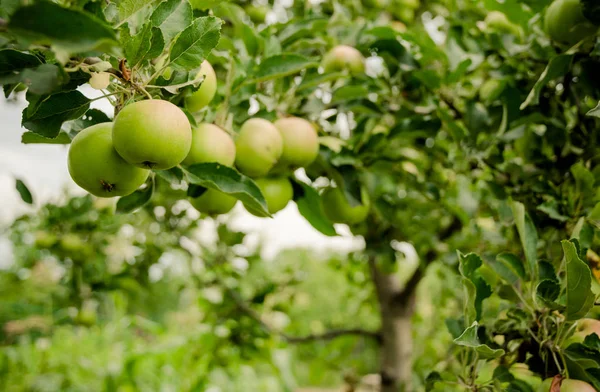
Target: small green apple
x: 338, y: 209
x: 202, y: 97
x: 585, y: 327
x: 210, y: 143
x: 343, y: 57
x: 300, y: 142
x: 213, y: 202
x: 564, y: 22
x: 259, y: 146
x: 153, y: 134
x: 257, y: 14
x: 278, y: 192
x: 99, y: 80
x: 95, y: 166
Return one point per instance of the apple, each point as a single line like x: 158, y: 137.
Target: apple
x: 398, y: 26
x: 585, y: 327
x: 259, y: 146
x: 278, y: 192
x: 43, y: 239
x: 300, y: 142
x: 564, y: 22
x: 338, y: 209
x: 213, y: 202
x: 567, y: 386
x: 497, y: 21
x: 210, y: 143
x: 257, y: 14
x: 153, y: 134
x: 99, y: 80
x: 71, y: 242
x: 343, y: 57
x: 202, y: 97
x: 95, y: 166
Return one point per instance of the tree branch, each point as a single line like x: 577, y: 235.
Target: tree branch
x: 328, y: 335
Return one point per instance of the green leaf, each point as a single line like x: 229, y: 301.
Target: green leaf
x: 34, y: 138
x: 595, y: 112
x: 13, y: 62
x: 128, y: 8
x: 137, y: 199
x: 470, y: 339
x: 583, y: 360
x: 547, y: 291
x: 584, y: 182
x: 174, y: 175
x: 44, y: 79
x: 282, y: 65
x: 579, y: 296
x: 557, y: 67
x: 50, y: 113
x: 24, y: 192
x: 349, y: 93
x: 594, y: 216
x: 195, y: 43
x: 509, y: 267
x: 172, y: 17
x: 528, y: 236
x: 316, y: 79
x: 230, y: 181
x: 477, y: 288
x: 145, y: 45
x: 65, y: 30
x: 310, y: 207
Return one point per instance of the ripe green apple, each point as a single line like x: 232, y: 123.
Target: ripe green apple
x: 153, y: 134
x: 278, y: 192
x: 497, y: 21
x: 491, y: 89
x: 567, y: 386
x: 343, y: 57
x: 43, y: 239
x: 259, y: 146
x: 257, y: 14
x: 338, y: 209
x: 213, y: 202
x: 202, y: 97
x: 564, y: 22
x: 585, y: 327
x: 210, y: 143
x: 300, y: 142
x: 95, y: 166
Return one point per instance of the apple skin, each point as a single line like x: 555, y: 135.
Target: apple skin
x: 585, y: 327
x: 257, y: 14
x: 564, y: 22
x: 202, y: 97
x: 278, y: 192
x: 344, y: 57
x: 300, y: 142
x: 95, y: 166
x: 567, y: 386
x: 259, y: 146
x: 210, y: 144
x: 153, y: 134
x: 338, y: 209
x: 214, y: 202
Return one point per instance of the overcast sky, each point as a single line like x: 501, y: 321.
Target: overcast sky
x: 43, y: 167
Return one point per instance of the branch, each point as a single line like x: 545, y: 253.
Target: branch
x: 329, y: 335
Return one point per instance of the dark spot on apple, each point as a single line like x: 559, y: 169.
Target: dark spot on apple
x: 107, y: 186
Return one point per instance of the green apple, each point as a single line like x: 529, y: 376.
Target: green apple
x: 300, y: 142
x: 71, y: 242
x: 152, y: 134
x: 564, y: 22
x: 278, y: 192
x: 567, y: 386
x: 343, y: 57
x: 497, y: 21
x: 585, y: 327
x: 210, y: 143
x: 398, y: 26
x: 257, y: 14
x: 491, y: 89
x: 259, y: 146
x: 213, y: 202
x: 202, y: 97
x: 338, y: 209
x: 43, y: 239
x: 99, y: 80
x: 95, y: 166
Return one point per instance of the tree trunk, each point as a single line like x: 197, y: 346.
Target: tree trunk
x: 396, y: 310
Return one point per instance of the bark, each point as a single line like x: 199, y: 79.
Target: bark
x: 396, y: 310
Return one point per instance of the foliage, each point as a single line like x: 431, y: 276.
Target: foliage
x: 507, y: 174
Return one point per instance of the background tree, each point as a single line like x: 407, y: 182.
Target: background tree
x: 449, y: 125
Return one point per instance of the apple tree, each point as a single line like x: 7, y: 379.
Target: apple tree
x: 467, y: 129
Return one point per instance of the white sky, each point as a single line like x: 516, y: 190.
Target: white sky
x: 43, y: 167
